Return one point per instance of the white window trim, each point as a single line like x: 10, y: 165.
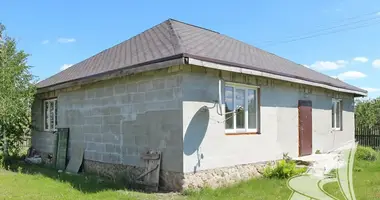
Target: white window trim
x: 48, y: 120
x: 335, y: 101
x: 245, y: 88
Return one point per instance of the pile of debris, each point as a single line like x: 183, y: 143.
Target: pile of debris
x: 33, y: 157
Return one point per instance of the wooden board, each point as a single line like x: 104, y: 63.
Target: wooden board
x: 76, y: 158
x: 150, y: 178
x: 61, y: 151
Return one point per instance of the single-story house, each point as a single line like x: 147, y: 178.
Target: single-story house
x: 215, y: 107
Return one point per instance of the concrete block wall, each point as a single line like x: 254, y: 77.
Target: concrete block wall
x: 44, y: 141
x: 206, y: 146
x: 119, y: 119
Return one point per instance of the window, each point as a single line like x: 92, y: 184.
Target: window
x: 336, y: 114
x: 50, y: 114
x: 241, y: 108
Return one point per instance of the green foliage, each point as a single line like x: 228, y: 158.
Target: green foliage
x: 367, y: 113
x: 365, y: 153
x: 318, y: 152
x: 17, y: 90
x: 283, y: 169
x: 286, y: 157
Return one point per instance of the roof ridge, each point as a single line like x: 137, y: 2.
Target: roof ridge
x: 174, y: 38
x: 171, y: 19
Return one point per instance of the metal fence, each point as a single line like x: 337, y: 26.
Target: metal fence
x: 368, y: 136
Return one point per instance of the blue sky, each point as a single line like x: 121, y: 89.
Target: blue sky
x: 61, y: 33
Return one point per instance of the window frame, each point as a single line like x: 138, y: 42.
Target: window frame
x: 246, y: 130
x: 340, y: 110
x: 48, y: 117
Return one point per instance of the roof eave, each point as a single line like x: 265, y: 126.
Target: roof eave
x: 175, y: 60
x: 215, y: 64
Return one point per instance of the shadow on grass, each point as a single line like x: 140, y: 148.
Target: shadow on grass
x: 87, y: 183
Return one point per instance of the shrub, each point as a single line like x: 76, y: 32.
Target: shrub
x: 282, y: 170
x: 318, y: 152
x: 366, y: 153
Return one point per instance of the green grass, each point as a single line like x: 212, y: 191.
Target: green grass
x: 366, y: 178
x: 35, y: 182
x: 253, y: 189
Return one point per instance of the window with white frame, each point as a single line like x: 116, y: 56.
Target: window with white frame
x: 50, y: 114
x: 336, y: 112
x: 241, y: 108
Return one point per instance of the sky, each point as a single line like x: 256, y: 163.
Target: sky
x: 338, y: 38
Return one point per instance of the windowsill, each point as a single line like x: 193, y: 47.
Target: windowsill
x: 337, y: 129
x: 243, y: 133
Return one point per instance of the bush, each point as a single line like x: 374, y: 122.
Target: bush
x: 283, y: 169
x: 366, y: 153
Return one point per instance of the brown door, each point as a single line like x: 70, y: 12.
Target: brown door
x: 305, y: 127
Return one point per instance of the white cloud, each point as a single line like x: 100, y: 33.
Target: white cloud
x: 369, y: 89
x: 45, y: 42
x: 65, y: 66
x: 376, y: 63
x: 334, y: 76
x: 328, y: 65
x: 378, y: 13
x: 350, y: 75
x: 306, y: 66
x: 360, y: 59
x: 66, y: 40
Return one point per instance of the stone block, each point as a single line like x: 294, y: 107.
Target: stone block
x: 155, y: 106
x: 93, y: 120
x: 127, y: 109
x: 177, y: 93
x: 144, y: 86
x: 138, y: 97
x: 97, y: 147
x: 112, y: 119
x: 93, y: 138
x: 158, y: 84
x: 139, y: 107
x: 174, y: 81
x: 91, y: 128
x: 132, y: 160
x: 91, y: 155
x: 108, y: 101
x: 131, y: 87
x: 165, y: 95
x: 151, y: 96
x: 115, y: 110
x: 126, y: 99
x: 111, y: 158
x: 113, y: 148
x: 111, y: 139
x: 120, y: 89
x: 99, y: 92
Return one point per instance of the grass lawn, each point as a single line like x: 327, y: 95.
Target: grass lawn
x: 366, y: 181
x: 34, y: 182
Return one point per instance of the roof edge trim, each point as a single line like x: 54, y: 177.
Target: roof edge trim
x: 210, y: 63
x: 138, y: 68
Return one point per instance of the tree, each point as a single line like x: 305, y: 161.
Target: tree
x: 17, y: 89
x: 367, y: 113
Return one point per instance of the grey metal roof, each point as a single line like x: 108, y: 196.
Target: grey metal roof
x: 173, y: 38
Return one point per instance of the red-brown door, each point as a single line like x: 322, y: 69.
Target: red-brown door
x: 305, y: 127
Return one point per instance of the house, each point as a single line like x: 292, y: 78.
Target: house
x: 217, y: 108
